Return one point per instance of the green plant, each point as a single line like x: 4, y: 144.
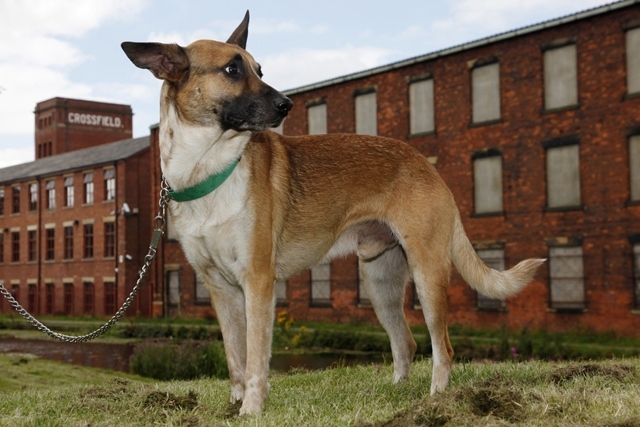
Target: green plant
x: 167, y: 360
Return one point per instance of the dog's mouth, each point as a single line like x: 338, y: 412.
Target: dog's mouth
x: 241, y: 125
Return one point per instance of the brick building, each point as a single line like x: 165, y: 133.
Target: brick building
x: 537, y: 133
x: 73, y: 222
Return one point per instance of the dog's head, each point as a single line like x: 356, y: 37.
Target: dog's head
x: 214, y: 84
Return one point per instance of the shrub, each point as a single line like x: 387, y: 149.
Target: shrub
x: 166, y: 360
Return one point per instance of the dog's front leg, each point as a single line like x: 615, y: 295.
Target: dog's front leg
x: 228, y: 302
x: 260, y: 308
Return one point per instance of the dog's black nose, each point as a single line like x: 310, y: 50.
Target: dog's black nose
x: 284, y: 105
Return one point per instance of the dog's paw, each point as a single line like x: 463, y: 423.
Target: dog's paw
x: 250, y: 408
x: 237, y: 393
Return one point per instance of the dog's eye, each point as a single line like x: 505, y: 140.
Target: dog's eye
x: 232, y: 70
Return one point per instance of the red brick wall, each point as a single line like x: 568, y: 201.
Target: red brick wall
x: 600, y: 122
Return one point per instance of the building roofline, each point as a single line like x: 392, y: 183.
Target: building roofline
x: 73, y: 160
x: 466, y: 46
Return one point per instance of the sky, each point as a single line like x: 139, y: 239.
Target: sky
x: 71, y: 48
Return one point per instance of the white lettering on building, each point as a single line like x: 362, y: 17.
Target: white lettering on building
x: 94, y: 120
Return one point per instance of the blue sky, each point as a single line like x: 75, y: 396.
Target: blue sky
x: 71, y: 48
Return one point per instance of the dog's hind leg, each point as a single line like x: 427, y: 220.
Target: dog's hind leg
x: 431, y: 276
x: 228, y: 302
x: 385, y: 278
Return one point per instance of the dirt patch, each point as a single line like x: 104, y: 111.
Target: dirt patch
x: 618, y: 372
x: 166, y: 400
x: 115, y: 390
x: 423, y: 414
x: 495, y: 396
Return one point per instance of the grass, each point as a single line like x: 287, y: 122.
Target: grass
x: 604, y: 393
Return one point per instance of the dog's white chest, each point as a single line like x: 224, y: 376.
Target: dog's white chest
x: 214, y: 230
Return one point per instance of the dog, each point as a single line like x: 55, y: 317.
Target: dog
x: 282, y: 204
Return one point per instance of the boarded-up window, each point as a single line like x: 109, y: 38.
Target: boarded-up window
x: 560, y: 77
x: 281, y: 291
x: 317, y: 117
x: 633, y: 60
x: 566, y: 277
x: 173, y: 287
x: 634, y: 167
x: 494, y: 258
x: 487, y: 177
x: 421, y: 107
x: 202, y: 292
x: 321, y: 284
x: 563, y: 177
x: 636, y: 274
x: 366, y: 114
x: 485, y: 82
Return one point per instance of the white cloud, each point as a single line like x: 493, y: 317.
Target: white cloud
x: 37, y: 52
x: 299, y: 67
x: 495, y: 16
x: 15, y: 156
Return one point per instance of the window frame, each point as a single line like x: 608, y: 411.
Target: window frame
x: 566, y: 306
x: 477, y: 158
x: 562, y: 144
x: 422, y: 115
x: 551, y: 81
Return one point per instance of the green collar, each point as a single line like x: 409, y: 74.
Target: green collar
x: 205, y: 187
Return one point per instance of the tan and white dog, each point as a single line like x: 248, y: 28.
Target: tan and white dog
x: 290, y: 202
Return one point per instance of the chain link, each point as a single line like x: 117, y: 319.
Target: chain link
x: 159, y: 223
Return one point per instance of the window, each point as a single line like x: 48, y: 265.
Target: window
x: 173, y: 287
x: 281, y: 291
x: 485, y: 83
x: 109, y: 239
x: 317, y: 117
x: 68, y: 242
x: 636, y: 275
x: 1, y: 248
x: 421, y: 110
x: 634, y: 167
x: 633, y: 61
x: 566, y: 277
x: 1, y: 201
x: 68, y: 192
x: 494, y: 258
x: 15, y: 197
x: 15, y: 246
x: 366, y: 114
x: 202, y: 292
x: 487, y: 183
x: 321, y: 284
x: 88, y: 298
x: 109, y: 298
x: 68, y: 299
x: 88, y: 188
x: 49, y: 298
x: 563, y: 176
x: 109, y: 184
x: 33, y: 196
x: 88, y: 241
x: 560, y: 77
x: 51, y: 194
x: 50, y: 244
x: 32, y: 297
x: 32, y: 245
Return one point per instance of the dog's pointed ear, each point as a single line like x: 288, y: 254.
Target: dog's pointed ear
x: 239, y: 36
x: 165, y: 61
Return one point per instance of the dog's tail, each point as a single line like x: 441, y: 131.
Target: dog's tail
x: 487, y: 281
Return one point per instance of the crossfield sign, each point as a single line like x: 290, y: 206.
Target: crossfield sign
x: 94, y: 120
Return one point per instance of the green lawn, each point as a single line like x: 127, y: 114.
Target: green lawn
x: 37, y: 392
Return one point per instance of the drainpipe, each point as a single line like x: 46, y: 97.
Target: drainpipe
x: 38, y: 245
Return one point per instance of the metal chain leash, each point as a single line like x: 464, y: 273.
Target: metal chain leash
x: 159, y: 223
